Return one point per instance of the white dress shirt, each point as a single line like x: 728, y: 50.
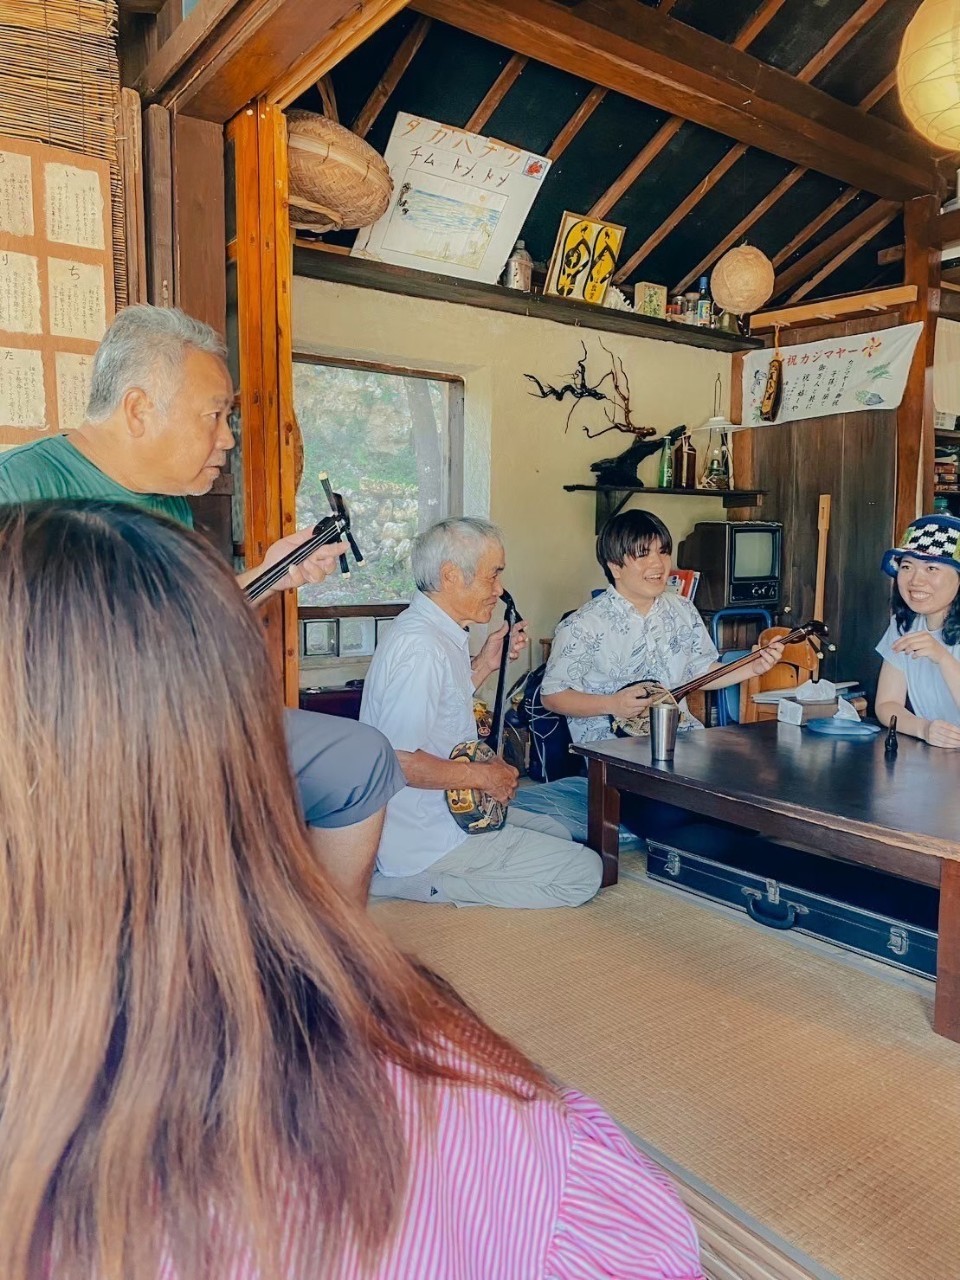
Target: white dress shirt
x: 419, y: 693
x: 607, y: 645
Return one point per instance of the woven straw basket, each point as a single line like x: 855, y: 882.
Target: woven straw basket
x: 337, y: 180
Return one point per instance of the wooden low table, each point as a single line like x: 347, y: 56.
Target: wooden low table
x: 838, y: 797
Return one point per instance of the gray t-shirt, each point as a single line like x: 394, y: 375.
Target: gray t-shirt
x: 926, y: 688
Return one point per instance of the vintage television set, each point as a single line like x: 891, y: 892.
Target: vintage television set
x: 738, y: 560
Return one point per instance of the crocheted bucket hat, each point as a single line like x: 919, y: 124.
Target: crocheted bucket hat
x: 932, y: 538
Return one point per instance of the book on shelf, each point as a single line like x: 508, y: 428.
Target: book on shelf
x: 685, y: 582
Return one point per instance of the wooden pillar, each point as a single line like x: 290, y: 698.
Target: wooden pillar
x: 915, y: 424
x: 264, y: 280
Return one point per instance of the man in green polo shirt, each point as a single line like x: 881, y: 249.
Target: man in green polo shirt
x: 156, y: 432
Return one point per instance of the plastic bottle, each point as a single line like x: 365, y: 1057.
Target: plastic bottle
x: 518, y: 272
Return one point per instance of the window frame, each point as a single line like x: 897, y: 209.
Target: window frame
x: 455, y: 443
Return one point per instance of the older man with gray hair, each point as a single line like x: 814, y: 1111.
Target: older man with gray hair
x: 419, y: 692
x: 157, y: 431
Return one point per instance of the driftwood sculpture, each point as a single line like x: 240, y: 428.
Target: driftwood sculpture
x: 613, y: 392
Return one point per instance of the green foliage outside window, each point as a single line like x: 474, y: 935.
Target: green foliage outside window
x: 384, y: 440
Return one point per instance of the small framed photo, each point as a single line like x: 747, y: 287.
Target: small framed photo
x: 358, y: 637
x: 383, y: 626
x: 584, y: 258
x: 319, y: 638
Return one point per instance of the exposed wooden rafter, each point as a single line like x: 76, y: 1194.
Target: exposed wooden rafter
x: 625, y: 46
x: 391, y: 77
x: 870, y: 220
x: 718, y: 171
x: 329, y: 98
x: 811, y: 229
x: 742, y: 227
x: 839, y: 41
x: 843, y: 254
x: 794, y: 176
x: 496, y: 94
x: 576, y: 122
x: 672, y: 126
x: 841, y: 38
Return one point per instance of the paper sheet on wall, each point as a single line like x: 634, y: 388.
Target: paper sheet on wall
x: 19, y: 293
x: 74, y: 206
x: 16, y: 194
x: 459, y: 201
x: 77, y: 299
x: 836, y: 375
x: 73, y: 388
x: 22, y: 399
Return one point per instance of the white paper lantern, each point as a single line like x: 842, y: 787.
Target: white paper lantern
x: 928, y: 73
x: 742, y: 280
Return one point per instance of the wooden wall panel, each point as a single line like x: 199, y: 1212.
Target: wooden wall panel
x: 852, y: 457
x: 199, y: 222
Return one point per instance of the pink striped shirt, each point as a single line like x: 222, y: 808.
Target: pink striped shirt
x: 547, y: 1190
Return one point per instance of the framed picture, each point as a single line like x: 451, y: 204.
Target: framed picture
x: 584, y: 258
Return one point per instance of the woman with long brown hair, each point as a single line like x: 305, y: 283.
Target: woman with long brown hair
x: 211, y: 1064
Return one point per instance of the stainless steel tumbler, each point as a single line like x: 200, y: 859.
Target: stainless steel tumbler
x: 664, y: 719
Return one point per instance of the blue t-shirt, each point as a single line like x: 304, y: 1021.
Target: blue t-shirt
x: 926, y: 688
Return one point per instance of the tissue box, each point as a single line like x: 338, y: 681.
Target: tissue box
x: 792, y: 711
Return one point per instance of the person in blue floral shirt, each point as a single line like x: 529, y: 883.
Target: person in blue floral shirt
x: 636, y: 630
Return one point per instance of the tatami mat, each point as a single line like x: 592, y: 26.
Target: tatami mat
x: 811, y: 1094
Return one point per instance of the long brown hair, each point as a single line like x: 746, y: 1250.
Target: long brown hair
x: 190, y: 1014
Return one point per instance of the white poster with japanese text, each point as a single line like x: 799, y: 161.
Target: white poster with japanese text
x: 459, y: 201
x: 835, y: 375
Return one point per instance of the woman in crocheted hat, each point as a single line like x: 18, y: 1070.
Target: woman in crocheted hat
x: 920, y: 677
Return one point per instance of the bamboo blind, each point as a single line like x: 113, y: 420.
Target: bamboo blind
x: 60, y: 84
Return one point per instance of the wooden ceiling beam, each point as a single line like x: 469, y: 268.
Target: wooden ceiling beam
x: 672, y: 126
x: 406, y: 53
x: 878, y: 214
x: 665, y: 6
x: 843, y: 254
x: 634, y: 50
x: 496, y: 94
x: 226, y: 53
x: 576, y: 122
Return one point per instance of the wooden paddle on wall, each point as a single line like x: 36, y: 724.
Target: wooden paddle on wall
x: 823, y: 532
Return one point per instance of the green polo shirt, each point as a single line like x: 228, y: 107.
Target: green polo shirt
x: 53, y: 468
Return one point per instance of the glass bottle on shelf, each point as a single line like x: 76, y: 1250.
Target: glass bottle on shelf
x: 715, y: 474
x: 704, y: 304
x: 665, y: 474
x: 518, y: 272
x: 685, y: 463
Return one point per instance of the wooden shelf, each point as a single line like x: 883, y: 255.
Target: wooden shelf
x: 338, y: 268
x: 612, y: 498
x: 948, y: 437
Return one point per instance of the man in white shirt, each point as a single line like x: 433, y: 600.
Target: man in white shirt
x: 419, y: 692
